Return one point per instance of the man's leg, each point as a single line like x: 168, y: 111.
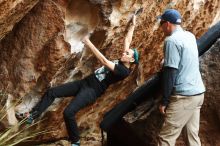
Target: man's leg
x: 178, y: 113
x: 85, y: 97
x: 191, y: 129
x: 65, y: 90
x: 172, y: 125
x: 175, y: 118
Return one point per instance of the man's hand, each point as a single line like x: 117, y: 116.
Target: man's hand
x: 162, y: 109
x: 161, y: 63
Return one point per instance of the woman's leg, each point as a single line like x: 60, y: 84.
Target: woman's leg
x: 65, y: 90
x: 85, y: 97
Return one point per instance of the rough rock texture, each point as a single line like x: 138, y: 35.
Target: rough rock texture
x: 12, y: 12
x: 30, y: 53
x: 36, y: 53
x: 210, y: 113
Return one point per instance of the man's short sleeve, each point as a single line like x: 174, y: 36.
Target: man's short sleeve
x: 171, y: 55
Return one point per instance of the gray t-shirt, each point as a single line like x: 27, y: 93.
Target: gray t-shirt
x: 181, y: 52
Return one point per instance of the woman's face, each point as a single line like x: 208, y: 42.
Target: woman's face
x: 127, y: 56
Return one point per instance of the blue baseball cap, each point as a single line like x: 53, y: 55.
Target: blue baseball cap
x: 171, y: 15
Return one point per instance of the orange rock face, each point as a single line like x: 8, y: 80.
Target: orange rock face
x: 12, y: 12
x: 38, y: 37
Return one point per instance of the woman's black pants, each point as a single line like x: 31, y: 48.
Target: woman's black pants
x: 84, y: 95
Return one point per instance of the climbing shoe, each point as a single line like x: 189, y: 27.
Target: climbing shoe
x: 27, y: 115
x: 76, y: 143
x: 29, y: 119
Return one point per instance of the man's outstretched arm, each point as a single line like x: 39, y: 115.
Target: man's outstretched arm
x: 128, y: 37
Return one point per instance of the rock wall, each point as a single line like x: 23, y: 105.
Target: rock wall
x: 210, y: 113
x: 36, y: 53
x: 31, y: 52
x: 12, y: 12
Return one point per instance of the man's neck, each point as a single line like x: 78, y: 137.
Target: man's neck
x: 175, y: 27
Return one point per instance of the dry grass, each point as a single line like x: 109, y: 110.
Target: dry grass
x: 17, y: 133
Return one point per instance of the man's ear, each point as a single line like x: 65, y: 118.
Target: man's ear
x: 132, y: 60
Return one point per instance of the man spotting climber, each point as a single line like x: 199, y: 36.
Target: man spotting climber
x: 183, y: 88
x: 87, y: 90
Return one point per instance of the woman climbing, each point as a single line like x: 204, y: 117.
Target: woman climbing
x: 87, y: 90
